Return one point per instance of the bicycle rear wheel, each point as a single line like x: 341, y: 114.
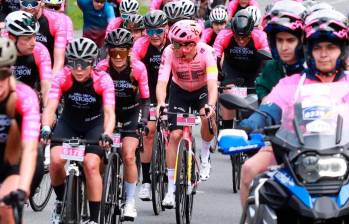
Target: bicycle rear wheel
x: 72, y: 200
x: 181, y: 184
x: 109, y: 203
x: 42, y: 194
x: 236, y: 171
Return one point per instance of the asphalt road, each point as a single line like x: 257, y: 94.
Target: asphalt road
x: 215, y: 201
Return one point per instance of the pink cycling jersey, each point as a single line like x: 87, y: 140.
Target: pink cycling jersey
x: 114, y: 24
x: 234, y: 6
x: 138, y: 73
x: 43, y: 61
x: 140, y: 48
x: 69, y: 28
x: 27, y: 106
x: 189, y: 75
x: 224, y: 37
x: 102, y: 84
x: 283, y: 94
x: 207, y: 35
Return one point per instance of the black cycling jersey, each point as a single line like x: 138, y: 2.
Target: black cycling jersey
x: 126, y: 88
x: 44, y: 36
x: 26, y: 71
x: 82, y: 104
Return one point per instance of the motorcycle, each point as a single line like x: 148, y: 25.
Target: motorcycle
x: 311, y: 182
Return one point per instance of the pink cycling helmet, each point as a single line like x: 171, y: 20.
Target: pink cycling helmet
x: 185, y: 31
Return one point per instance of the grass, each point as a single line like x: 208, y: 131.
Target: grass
x: 75, y: 13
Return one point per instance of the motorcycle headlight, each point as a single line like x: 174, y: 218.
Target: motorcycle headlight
x: 312, y: 167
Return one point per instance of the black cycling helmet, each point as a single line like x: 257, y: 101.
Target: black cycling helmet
x: 119, y: 38
x: 155, y: 18
x: 243, y: 23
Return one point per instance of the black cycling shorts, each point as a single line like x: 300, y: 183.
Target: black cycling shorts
x: 181, y: 100
x: 64, y: 129
x: 238, y: 78
x: 7, y: 170
x: 129, y: 122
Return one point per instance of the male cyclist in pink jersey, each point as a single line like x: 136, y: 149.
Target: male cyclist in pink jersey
x: 194, y: 84
x: 88, y: 112
x: 20, y: 126
x: 326, y: 38
x: 52, y: 32
x: 33, y: 64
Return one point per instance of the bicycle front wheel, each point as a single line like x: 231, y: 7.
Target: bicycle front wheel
x: 72, y: 200
x: 109, y: 203
x: 42, y: 193
x: 181, y: 183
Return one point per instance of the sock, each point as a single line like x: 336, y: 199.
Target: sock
x: 94, y: 210
x: 59, y: 190
x: 205, y: 151
x: 146, y: 174
x: 227, y: 124
x: 171, y: 182
x: 130, y: 189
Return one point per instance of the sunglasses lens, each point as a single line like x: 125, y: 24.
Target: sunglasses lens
x: 27, y: 4
x: 78, y: 63
x: 122, y: 54
x: 125, y: 16
x: 152, y: 32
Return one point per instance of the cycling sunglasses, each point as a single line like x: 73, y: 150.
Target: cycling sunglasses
x: 122, y: 53
x: 100, y: 1
x: 29, y: 4
x: 76, y: 63
x: 125, y: 16
x: 155, y: 31
x: 177, y: 45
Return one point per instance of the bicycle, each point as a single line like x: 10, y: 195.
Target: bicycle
x: 187, y: 168
x: 75, y: 204
x: 158, y: 162
x: 17, y: 209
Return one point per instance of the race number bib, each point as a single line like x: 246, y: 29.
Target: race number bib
x: 185, y: 120
x: 73, y: 153
x: 116, y: 140
x: 152, y: 113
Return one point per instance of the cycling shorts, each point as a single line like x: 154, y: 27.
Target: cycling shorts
x: 7, y: 170
x: 238, y: 78
x: 129, y: 121
x: 96, y: 127
x: 181, y: 100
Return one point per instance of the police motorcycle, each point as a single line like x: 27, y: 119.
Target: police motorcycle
x: 311, y: 183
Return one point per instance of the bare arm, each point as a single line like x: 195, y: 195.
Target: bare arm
x: 109, y: 120
x: 45, y: 86
x: 161, y: 92
x: 28, y: 164
x: 49, y: 116
x: 212, y: 91
x: 58, y: 56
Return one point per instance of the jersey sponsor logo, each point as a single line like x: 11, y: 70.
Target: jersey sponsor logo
x: 82, y: 99
x: 41, y: 38
x: 22, y: 70
x: 155, y: 59
x: 5, y: 122
x: 241, y: 53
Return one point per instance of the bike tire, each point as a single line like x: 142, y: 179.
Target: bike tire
x: 235, y: 172
x: 43, y: 192
x: 181, y: 184
x: 195, y: 176
x: 109, y: 202
x: 72, y: 202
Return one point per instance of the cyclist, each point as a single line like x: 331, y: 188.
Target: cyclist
x: 236, y: 5
x: 173, y: 11
x: 52, y: 32
x: 127, y: 8
x: 33, y: 64
x: 88, y: 112
x: 135, y: 24
x: 218, y: 18
x: 189, y: 12
x: 285, y: 37
x: 96, y: 15
x: 326, y: 36
x: 58, y: 5
x: 194, y: 84
x: 147, y: 54
x: 20, y: 128
x: 242, y: 61
x: 128, y: 81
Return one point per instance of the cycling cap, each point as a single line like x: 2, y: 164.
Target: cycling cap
x: 256, y: 14
x: 21, y: 23
x: 285, y: 16
x: 243, y: 23
x: 155, y: 18
x: 82, y: 48
x: 8, y: 52
x: 134, y: 21
x: 119, y: 38
x: 185, y: 31
x: 129, y: 7
x: 173, y: 10
x: 218, y: 14
x: 188, y: 9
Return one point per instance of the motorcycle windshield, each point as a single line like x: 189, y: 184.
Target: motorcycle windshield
x: 317, y: 118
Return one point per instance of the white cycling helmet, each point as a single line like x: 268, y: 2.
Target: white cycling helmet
x: 8, y: 52
x: 82, y: 48
x: 21, y: 23
x: 129, y: 7
x: 188, y: 8
x: 256, y: 15
x: 218, y: 14
x: 54, y: 2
